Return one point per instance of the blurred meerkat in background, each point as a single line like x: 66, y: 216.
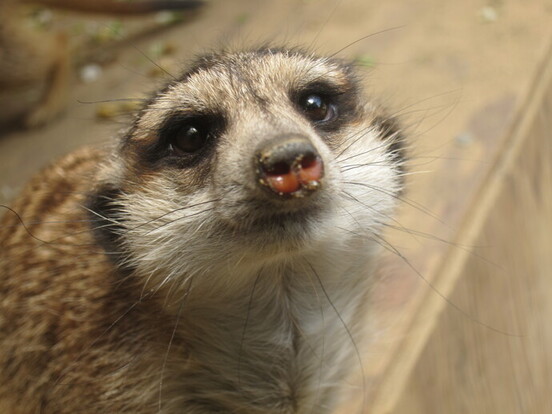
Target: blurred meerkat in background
x: 36, y: 68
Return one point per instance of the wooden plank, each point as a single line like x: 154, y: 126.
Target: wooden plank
x: 504, y: 365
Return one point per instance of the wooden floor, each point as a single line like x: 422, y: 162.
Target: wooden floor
x: 488, y: 347
x: 463, y: 313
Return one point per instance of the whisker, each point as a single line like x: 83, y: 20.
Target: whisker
x: 411, y: 203
x: 179, y: 218
x: 360, y: 154
x: 166, y: 358
x: 329, y: 17
x: 366, y: 37
x: 245, y: 325
x: 112, y: 100
x: 174, y: 211
x: 349, y: 334
x: 442, y: 296
x: 321, y: 358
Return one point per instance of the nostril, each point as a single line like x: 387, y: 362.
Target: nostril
x: 279, y: 168
x: 311, y: 170
x: 308, y: 161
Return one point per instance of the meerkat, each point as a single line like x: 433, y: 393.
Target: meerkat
x: 218, y: 260
x: 35, y: 68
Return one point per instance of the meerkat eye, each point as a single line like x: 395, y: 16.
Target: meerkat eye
x: 317, y: 107
x: 190, y: 138
x: 188, y: 135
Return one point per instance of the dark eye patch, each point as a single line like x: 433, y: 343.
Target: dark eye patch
x: 183, y: 140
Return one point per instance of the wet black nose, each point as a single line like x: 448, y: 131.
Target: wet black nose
x: 289, y: 166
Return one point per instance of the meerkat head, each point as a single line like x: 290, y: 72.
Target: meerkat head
x: 248, y: 158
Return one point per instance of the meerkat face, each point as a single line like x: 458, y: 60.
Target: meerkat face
x: 250, y: 156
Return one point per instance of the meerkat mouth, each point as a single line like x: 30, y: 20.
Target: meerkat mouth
x: 284, y: 220
x: 275, y: 226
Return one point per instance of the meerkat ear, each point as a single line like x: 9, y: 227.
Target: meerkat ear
x: 105, y: 211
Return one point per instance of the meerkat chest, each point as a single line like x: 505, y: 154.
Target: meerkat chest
x: 279, y: 347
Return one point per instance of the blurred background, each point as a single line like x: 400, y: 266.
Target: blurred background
x: 463, y: 311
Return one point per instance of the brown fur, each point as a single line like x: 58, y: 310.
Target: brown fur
x: 35, y: 68
x: 50, y: 315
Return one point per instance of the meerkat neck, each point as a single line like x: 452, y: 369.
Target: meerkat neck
x: 274, y: 340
